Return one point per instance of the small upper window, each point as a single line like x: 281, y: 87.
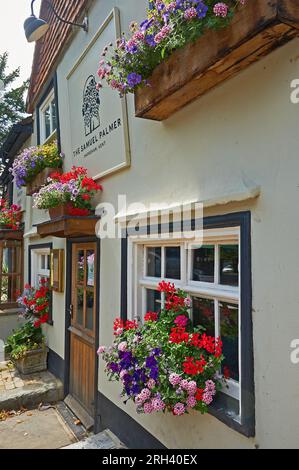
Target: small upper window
x: 48, y: 118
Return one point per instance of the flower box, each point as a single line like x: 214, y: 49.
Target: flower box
x: 9, y: 234
x: 40, y: 179
x: 255, y: 31
x: 62, y: 211
x: 32, y: 361
x: 69, y: 227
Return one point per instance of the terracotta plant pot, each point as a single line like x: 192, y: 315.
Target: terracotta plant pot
x: 33, y: 361
x: 40, y: 180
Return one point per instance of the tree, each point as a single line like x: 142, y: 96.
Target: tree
x: 12, y: 103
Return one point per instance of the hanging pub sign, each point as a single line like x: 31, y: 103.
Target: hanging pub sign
x: 98, y: 118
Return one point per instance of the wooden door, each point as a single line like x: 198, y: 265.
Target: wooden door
x: 83, y: 330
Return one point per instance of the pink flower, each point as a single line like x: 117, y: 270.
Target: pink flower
x: 179, y: 409
x: 191, y: 402
x: 144, y: 394
x: 101, y: 349
x: 220, y: 9
x: 151, y: 384
x: 207, y: 398
x: 122, y: 346
x: 210, y: 387
x: 147, y: 408
x: 184, y: 384
x: 192, y: 387
x: 181, y: 321
x: 119, y: 331
x: 174, y: 379
x: 190, y: 13
x: 187, y: 302
x: 158, y: 404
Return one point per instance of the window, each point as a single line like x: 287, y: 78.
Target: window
x: 216, y: 274
x: 11, y: 278
x: 39, y: 268
x: 209, y: 273
x: 48, y: 118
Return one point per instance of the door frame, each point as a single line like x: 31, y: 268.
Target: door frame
x: 68, y: 298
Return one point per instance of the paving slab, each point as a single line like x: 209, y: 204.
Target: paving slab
x: 103, y: 440
x: 35, y: 430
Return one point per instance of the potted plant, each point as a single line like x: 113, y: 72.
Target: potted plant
x: 166, y: 365
x: 34, y: 165
x: 10, y: 216
x: 27, y: 350
x: 67, y: 194
x: 26, y: 346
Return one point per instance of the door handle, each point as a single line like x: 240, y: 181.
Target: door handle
x: 71, y: 311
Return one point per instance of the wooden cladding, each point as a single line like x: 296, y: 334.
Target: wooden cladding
x: 256, y: 30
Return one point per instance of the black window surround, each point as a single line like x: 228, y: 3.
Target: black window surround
x: 52, y: 85
x: 30, y: 249
x: 225, y: 408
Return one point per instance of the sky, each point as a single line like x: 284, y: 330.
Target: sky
x: 12, y: 37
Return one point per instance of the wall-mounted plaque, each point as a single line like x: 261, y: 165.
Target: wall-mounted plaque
x: 98, y: 118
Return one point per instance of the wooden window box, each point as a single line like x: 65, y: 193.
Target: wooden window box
x: 256, y: 30
x: 40, y: 180
x: 68, y: 227
x: 8, y: 234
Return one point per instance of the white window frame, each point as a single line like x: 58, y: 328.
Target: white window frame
x: 42, y: 109
x: 36, y: 269
x: 137, y: 284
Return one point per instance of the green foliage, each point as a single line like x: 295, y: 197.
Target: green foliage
x: 26, y: 338
x: 12, y: 103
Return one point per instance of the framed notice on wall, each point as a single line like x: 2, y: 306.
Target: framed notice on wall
x: 98, y: 118
x: 56, y: 276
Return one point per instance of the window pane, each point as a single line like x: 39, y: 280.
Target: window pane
x: 10, y: 288
x: 80, y: 306
x: 80, y: 266
x: 153, y: 300
x: 47, y: 120
x: 48, y: 265
x: 203, y: 314
x: 229, y: 262
x: 229, y: 330
x: 9, y: 260
x: 89, y: 309
x: 54, y: 116
x: 90, y: 268
x: 153, y: 262
x: 43, y: 261
x: 204, y: 264
x: 173, y: 262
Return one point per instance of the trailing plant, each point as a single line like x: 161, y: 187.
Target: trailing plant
x: 24, y: 339
x: 33, y: 160
x: 74, y: 188
x: 10, y: 216
x: 166, y: 364
x: 169, y: 25
x: 35, y: 304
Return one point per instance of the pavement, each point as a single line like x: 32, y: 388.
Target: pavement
x: 35, y: 430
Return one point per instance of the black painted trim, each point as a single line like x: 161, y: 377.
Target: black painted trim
x: 68, y: 297
x: 242, y: 220
x: 132, y: 434
x: 56, y: 365
x: 35, y: 247
x: 53, y: 85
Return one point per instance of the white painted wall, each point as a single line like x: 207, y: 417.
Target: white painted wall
x: 245, y: 130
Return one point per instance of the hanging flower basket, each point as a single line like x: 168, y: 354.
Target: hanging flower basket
x: 255, y: 31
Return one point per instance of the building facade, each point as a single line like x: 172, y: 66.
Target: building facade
x: 234, y: 151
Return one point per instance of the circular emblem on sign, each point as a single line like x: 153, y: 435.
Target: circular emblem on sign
x: 91, y: 106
